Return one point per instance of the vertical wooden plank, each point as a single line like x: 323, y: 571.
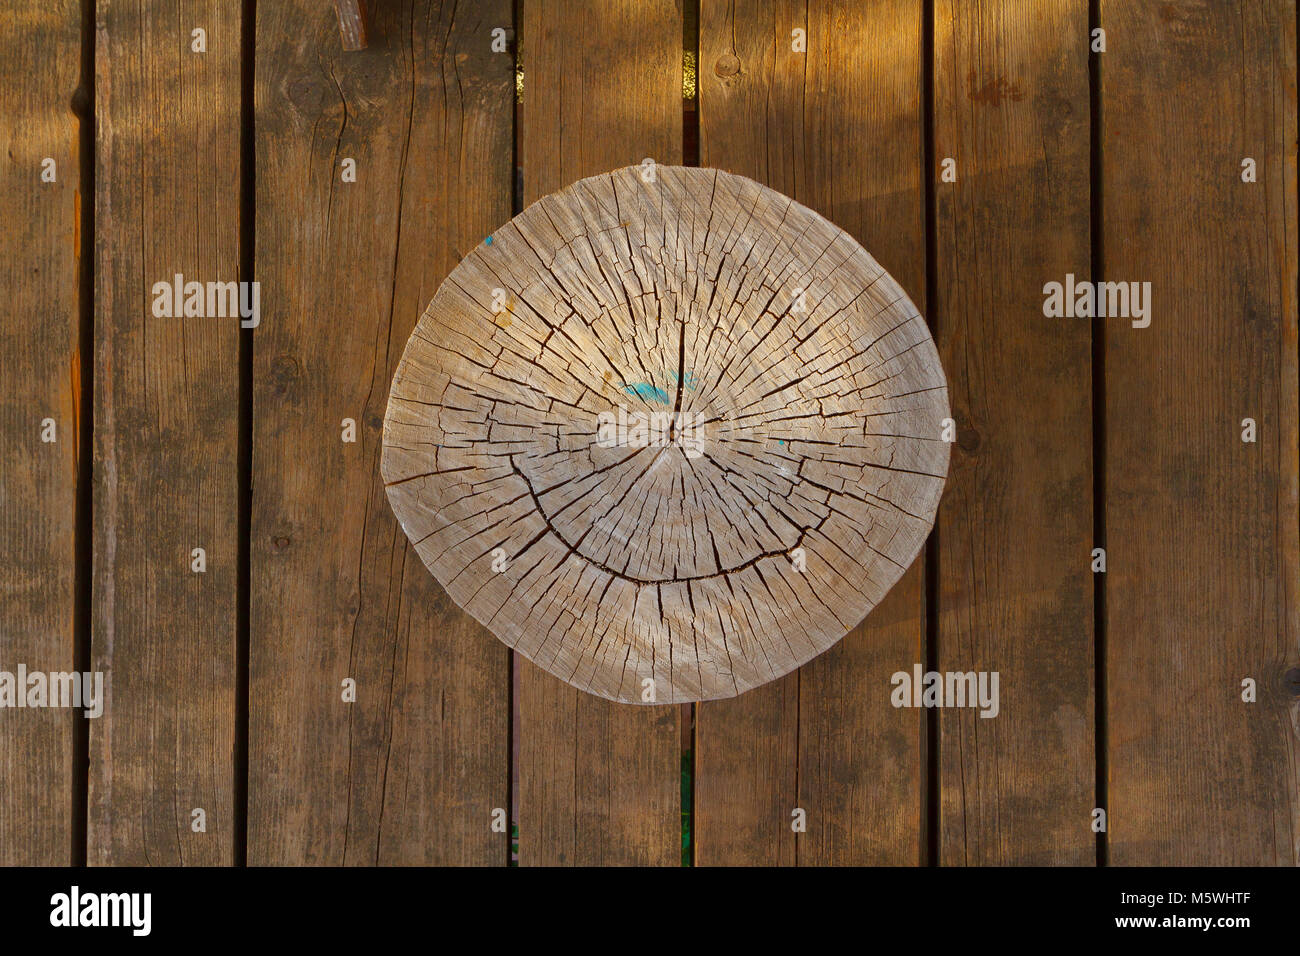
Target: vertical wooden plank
x: 167, y: 184
x: 39, y: 253
x: 840, y: 129
x: 1201, y: 526
x: 1015, y: 527
x: 410, y: 772
x: 598, y: 781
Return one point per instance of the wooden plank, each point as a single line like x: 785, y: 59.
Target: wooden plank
x: 39, y: 254
x: 598, y: 781
x: 1015, y: 526
x: 809, y: 124
x: 167, y: 181
x: 410, y: 772
x: 1201, y: 526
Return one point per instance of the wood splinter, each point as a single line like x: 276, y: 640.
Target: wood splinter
x: 352, y: 23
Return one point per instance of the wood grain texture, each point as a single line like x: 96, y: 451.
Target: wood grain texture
x: 1201, y: 526
x: 667, y: 426
x: 1016, y: 524
x: 598, y: 782
x: 814, y: 125
x: 39, y: 255
x: 167, y: 182
x: 410, y: 772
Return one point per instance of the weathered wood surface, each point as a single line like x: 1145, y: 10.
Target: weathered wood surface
x: 1201, y: 527
x: 166, y: 434
x: 669, y: 435
x: 40, y: 249
x: 1015, y: 527
x: 413, y: 769
x: 825, y: 740
x: 598, y: 782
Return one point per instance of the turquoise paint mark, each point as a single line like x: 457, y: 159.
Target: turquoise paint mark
x: 655, y: 393
x: 489, y: 240
x: 646, y: 390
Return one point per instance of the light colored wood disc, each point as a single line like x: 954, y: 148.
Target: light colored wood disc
x: 668, y: 426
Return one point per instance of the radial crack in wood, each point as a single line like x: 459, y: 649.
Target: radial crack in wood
x: 668, y: 434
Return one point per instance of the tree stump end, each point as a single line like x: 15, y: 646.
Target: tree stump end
x: 668, y: 434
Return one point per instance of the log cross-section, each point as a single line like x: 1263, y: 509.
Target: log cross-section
x: 668, y: 433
